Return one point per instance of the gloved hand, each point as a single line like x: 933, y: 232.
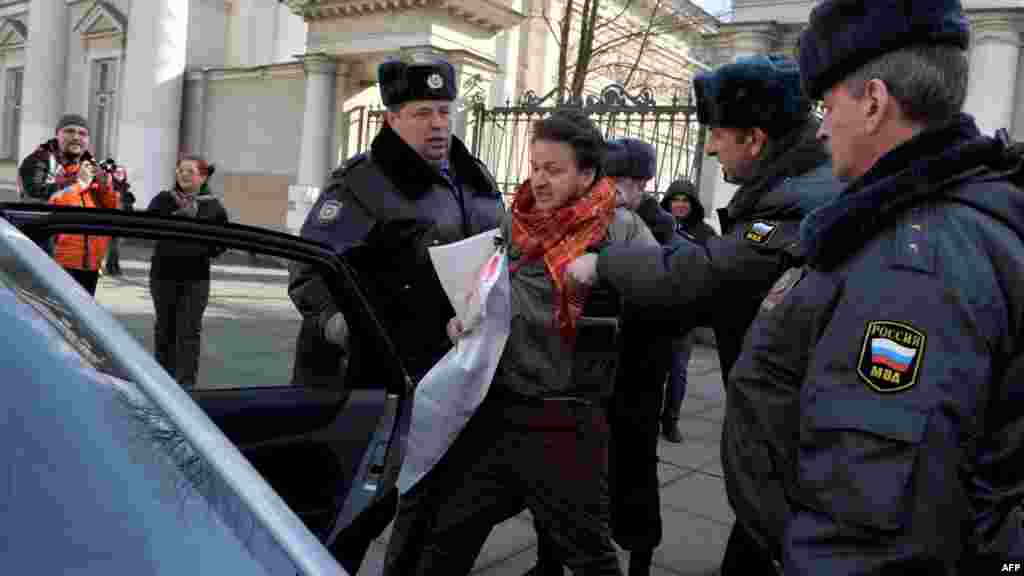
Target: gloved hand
x: 336, y: 330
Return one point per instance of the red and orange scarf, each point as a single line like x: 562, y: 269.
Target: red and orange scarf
x: 560, y: 236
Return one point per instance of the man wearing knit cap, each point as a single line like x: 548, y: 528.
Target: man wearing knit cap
x: 418, y: 186
x: 763, y: 134
x: 63, y: 172
x: 879, y: 389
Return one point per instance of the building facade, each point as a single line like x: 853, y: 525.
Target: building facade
x: 277, y: 93
x: 995, y: 93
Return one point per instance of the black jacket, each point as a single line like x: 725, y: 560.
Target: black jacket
x: 381, y: 211
x: 874, y: 416
x: 693, y: 225
x: 722, y: 283
x: 39, y: 172
x: 177, y: 260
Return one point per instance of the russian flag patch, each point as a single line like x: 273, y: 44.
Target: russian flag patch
x: 890, y: 357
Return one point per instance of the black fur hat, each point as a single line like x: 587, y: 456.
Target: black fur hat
x: 401, y: 82
x: 752, y: 92
x: 843, y: 35
x: 630, y: 158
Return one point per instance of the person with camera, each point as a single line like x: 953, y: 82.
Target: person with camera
x: 63, y: 172
x: 179, y: 272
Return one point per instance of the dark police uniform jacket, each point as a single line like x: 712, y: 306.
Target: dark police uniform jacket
x: 722, y: 283
x: 874, y: 422
x: 382, y: 211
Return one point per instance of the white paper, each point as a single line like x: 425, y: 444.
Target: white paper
x: 453, y: 389
x: 458, y: 266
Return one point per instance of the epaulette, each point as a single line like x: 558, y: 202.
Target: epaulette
x: 350, y: 164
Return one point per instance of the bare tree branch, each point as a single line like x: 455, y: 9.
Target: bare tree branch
x: 551, y: 28
x: 614, y: 19
x: 623, y: 39
x: 564, y: 49
x: 643, y: 44
x: 586, y: 45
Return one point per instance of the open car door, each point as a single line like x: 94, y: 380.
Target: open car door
x: 333, y: 451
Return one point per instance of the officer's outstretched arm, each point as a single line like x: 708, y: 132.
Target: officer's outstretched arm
x: 887, y: 417
x: 692, y: 280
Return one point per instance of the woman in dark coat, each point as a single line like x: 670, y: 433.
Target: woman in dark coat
x: 179, y: 272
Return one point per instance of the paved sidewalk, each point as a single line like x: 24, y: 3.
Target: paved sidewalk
x: 695, y: 513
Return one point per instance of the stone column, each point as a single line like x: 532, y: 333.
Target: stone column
x: 749, y: 39
x: 45, y: 66
x: 194, y: 110
x: 315, y: 152
x: 994, y: 58
x: 317, y: 120
x: 153, y: 84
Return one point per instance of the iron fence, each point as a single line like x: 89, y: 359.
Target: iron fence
x: 500, y: 136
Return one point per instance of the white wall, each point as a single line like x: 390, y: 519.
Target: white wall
x: 256, y: 32
x: 254, y: 124
x: 291, y: 35
x: 1018, y: 123
x: 206, y: 34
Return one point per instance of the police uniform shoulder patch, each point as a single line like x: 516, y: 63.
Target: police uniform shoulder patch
x: 329, y: 211
x: 782, y: 286
x: 760, y: 232
x: 890, y: 357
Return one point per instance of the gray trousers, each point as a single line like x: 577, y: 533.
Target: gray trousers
x: 179, y: 308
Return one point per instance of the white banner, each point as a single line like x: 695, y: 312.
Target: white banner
x: 451, y: 392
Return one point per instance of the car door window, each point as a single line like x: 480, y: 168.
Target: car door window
x: 88, y: 452
x: 215, y: 319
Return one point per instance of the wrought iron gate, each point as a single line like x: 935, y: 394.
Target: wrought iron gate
x: 500, y: 136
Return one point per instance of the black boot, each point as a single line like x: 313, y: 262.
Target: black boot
x: 640, y: 562
x: 670, y: 429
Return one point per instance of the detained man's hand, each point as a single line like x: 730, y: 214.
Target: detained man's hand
x: 455, y: 329
x: 583, y: 269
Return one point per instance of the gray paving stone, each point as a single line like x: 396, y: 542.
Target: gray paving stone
x: 515, y: 566
x: 691, y: 545
x: 700, y: 494
x: 669, y: 473
x: 506, y: 540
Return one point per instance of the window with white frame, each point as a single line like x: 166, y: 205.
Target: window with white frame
x: 102, y: 112
x: 13, y: 79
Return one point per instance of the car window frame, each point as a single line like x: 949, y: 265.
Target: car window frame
x: 138, y: 363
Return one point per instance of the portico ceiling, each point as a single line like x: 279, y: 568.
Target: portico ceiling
x: 490, y: 15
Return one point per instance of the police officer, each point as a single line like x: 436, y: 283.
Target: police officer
x: 646, y: 342
x: 418, y: 186
x: 763, y: 134
x: 874, y: 416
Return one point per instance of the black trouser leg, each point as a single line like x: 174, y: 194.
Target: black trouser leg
x: 567, y: 490
x: 743, y: 555
x: 547, y: 557
x: 87, y: 278
x: 193, y: 297
x: 112, y: 263
x: 164, y: 293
